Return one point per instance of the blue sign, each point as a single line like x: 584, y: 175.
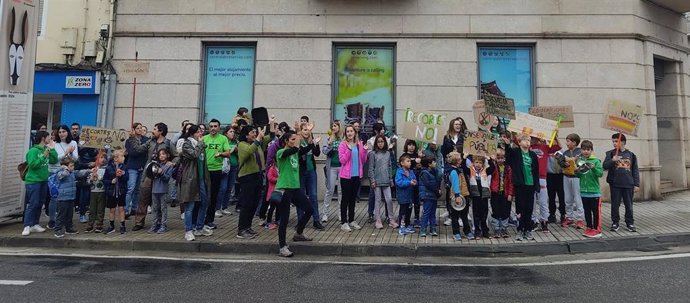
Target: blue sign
x: 507, y: 72
x: 229, y: 81
x: 67, y: 82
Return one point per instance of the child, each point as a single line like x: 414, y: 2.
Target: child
x: 66, y: 194
x: 115, y: 180
x: 380, y: 179
x: 272, y: 176
x: 571, y: 185
x: 97, y: 199
x: 542, y: 150
x: 458, y: 192
x: 501, y: 193
x: 412, y: 151
x: 159, y: 192
x: 525, y: 176
x: 623, y: 179
x: 429, y: 192
x: 405, y: 182
x: 590, y: 192
x: 480, y: 182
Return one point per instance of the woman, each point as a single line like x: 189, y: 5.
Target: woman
x: 178, y: 148
x: 352, y: 155
x: 452, y: 141
x: 65, y: 148
x: 136, y: 159
x: 330, y: 149
x: 307, y: 163
x: 289, y: 184
x: 230, y: 167
x: 36, y: 180
x: 252, y: 165
x: 193, y: 183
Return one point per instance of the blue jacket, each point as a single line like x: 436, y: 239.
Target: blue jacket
x: 404, y: 187
x: 160, y: 182
x: 428, y: 185
x: 135, y: 159
x: 67, y: 191
x: 119, y: 189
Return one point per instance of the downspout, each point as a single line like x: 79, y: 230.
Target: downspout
x: 111, y: 76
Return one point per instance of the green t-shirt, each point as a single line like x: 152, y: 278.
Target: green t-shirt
x: 527, y: 168
x: 335, y: 159
x: 215, y: 144
x: 288, y: 170
x: 233, y: 157
x: 310, y: 157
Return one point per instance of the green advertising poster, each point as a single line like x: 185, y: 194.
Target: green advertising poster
x: 364, y: 85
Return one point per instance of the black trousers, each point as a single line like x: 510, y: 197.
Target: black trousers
x: 592, y: 207
x: 480, y: 212
x: 296, y: 197
x: 216, y: 177
x: 249, y: 199
x: 554, y: 186
x: 500, y: 206
x: 524, y: 206
x: 462, y: 215
x: 618, y: 193
x: 404, y: 214
x: 347, y: 205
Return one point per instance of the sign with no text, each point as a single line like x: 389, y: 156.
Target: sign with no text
x: 94, y: 137
x: 135, y: 69
x: 483, y: 119
x: 622, y: 117
x: 500, y: 106
x: 480, y: 143
x: 533, y: 126
x: 554, y: 113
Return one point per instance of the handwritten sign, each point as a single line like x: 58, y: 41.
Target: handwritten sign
x: 500, y: 106
x: 481, y: 117
x: 480, y: 143
x: 133, y: 69
x: 94, y: 137
x: 423, y: 126
x: 622, y: 117
x: 554, y: 112
x: 533, y: 126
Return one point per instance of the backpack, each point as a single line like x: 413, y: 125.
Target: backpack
x: 463, y: 183
x: 53, y: 186
x: 23, y: 168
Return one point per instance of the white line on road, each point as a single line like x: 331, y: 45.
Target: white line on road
x: 15, y: 282
x: 283, y: 261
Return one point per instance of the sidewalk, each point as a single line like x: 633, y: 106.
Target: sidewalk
x: 660, y: 224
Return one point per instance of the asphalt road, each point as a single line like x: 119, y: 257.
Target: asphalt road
x: 69, y: 279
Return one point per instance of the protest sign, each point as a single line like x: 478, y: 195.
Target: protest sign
x: 481, y: 117
x: 533, y: 126
x: 94, y: 137
x: 554, y: 113
x: 423, y: 126
x: 622, y: 117
x: 500, y: 106
x: 480, y: 143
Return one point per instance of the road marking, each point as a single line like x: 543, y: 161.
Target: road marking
x: 15, y: 282
x: 419, y: 264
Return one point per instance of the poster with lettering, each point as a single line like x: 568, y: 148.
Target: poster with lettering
x: 94, y: 137
x: 480, y: 143
x: 564, y: 112
x: 229, y: 81
x: 423, y: 126
x: 500, y: 106
x: 481, y: 117
x: 533, y: 126
x: 622, y: 117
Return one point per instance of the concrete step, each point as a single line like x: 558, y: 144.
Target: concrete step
x: 670, y: 190
x: 666, y: 184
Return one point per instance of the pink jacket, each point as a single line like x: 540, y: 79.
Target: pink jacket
x: 272, y: 176
x: 345, y: 155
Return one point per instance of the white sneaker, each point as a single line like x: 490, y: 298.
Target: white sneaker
x: 354, y: 225
x: 447, y: 222
x: 148, y: 209
x: 182, y: 216
x: 206, y: 231
x: 345, y: 227
x: 227, y: 212
x: 285, y: 252
x: 445, y: 214
x: 26, y: 231
x: 219, y: 214
x: 324, y: 218
x: 189, y: 236
x: 37, y: 229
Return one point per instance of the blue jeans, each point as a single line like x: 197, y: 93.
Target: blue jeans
x: 199, y: 210
x: 132, y: 198
x: 189, y: 214
x: 227, y: 187
x: 429, y: 215
x: 308, y: 184
x: 35, y: 198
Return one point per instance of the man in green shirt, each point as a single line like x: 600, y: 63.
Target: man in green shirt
x: 217, y: 148
x: 36, y: 181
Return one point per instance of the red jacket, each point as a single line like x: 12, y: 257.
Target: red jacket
x: 507, y: 180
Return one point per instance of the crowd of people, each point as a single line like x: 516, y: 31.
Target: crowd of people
x: 260, y: 171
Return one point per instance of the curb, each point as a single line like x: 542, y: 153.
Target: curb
x: 652, y: 242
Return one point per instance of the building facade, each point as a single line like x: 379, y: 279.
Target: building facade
x: 374, y: 59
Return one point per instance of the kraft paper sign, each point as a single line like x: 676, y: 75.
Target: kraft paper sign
x: 481, y: 116
x: 533, y: 126
x: 480, y: 143
x: 622, y: 117
x: 94, y: 137
x: 133, y: 69
x: 423, y: 126
x: 554, y: 112
x: 500, y: 106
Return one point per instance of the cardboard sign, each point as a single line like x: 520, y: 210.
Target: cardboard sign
x: 554, y: 112
x: 481, y: 117
x: 480, y: 143
x: 533, y: 126
x: 500, y: 106
x: 622, y: 117
x: 94, y: 137
x: 423, y: 126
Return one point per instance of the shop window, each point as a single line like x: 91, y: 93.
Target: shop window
x: 507, y: 71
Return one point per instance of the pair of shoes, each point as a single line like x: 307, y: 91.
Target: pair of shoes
x: 219, y: 214
x: 71, y: 231
x: 422, y: 233
x: 580, y: 224
x: 379, y: 225
x: 226, y: 212
x: 203, y: 232
x: 319, y: 226
x: 410, y: 230
x: 189, y: 236
x: 110, y: 230
x: 37, y: 229
x: 83, y: 219
x: 393, y: 224
x: 592, y: 233
x: 163, y: 229
x: 448, y: 222
x: 26, y: 231
x: 354, y: 225
x: 631, y: 228
x: 434, y: 232
x: 345, y: 227
x: 614, y: 227
x: 285, y: 252
x: 567, y: 222
x: 59, y: 234
x: 300, y: 238
x: 470, y: 236
x: 403, y: 230
x: 245, y: 234
x: 154, y: 228
x: 123, y: 230
x: 371, y: 219
x: 545, y: 227
x: 528, y: 236
x: 324, y: 218
x: 457, y: 237
x: 520, y: 237
x: 137, y: 227
x: 251, y: 231
x: 50, y: 226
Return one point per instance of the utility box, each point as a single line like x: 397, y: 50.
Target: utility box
x: 90, y: 49
x: 69, y: 38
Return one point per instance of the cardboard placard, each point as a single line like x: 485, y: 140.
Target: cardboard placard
x: 481, y: 116
x: 564, y: 112
x: 423, y: 126
x: 500, y: 106
x: 480, y: 143
x: 623, y: 117
x: 533, y: 126
x: 95, y: 137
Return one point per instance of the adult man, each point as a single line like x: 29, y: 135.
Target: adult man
x: 136, y: 158
x: 217, y: 148
x: 76, y: 131
x: 151, y: 148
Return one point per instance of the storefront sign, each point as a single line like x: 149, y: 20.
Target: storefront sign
x: 423, y: 126
x: 564, y: 113
x: 79, y: 82
x: 622, y: 117
x: 480, y: 143
x: 499, y: 106
x: 94, y: 137
x: 533, y: 126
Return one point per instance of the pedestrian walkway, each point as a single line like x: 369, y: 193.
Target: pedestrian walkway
x: 658, y: 222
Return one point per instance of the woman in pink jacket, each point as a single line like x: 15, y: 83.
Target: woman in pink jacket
x: 352, y: 156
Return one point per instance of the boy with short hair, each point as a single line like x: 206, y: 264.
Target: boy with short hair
x: 67, y: 191
x: 541, y: 199
x: 623, y: 179
x: 115, y: 181
x: 97, y: 198
x: 589, y: 174
x: 405, y: 181
x: 571, y: 184
x: 525, y: 174
x: 429, y: 191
